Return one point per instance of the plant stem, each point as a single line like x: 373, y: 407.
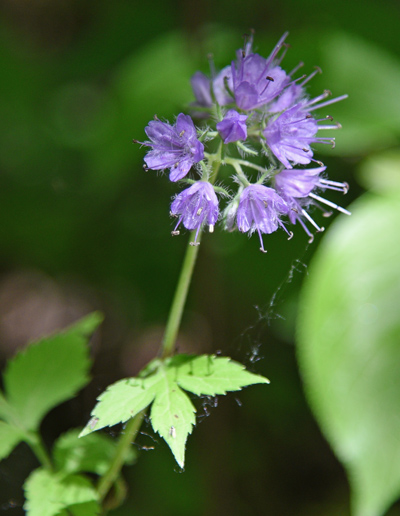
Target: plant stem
x: 178, y: 303
x: 131, y: 430
x: 35, y: 442
x: 168, y: 344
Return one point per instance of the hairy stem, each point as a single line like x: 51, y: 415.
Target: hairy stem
x: 127, y: 437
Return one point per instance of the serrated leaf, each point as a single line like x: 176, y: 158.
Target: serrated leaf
x: 172, y: 416
x: 10, y: 436
x: 210, y: 375
x: 49, y: 372
x: 48, y: 494
x: 92, y: 455
x: 349, y: 348
x: 172, y: 412
x: 121, y: 401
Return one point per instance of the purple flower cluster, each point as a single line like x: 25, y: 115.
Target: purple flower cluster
x: 250, y: 108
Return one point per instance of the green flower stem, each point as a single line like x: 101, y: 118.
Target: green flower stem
x: 178, y: 303
x: 182, y: 288
x: 35, y: 442
x: 129, y: 435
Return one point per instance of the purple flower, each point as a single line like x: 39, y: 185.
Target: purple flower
x: 201, y: 89
x: 257, y: 81
x: 196, y: 205
x: 223, y: 79
x: 296, y: 188
x: 233, y: 127
x: 259, y: 210
x: 289, y: 136
x: 287, y: 98
x: 201, y: 86
x: 175, y: 147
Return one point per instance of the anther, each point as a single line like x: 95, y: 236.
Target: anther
x: 263, y: 250
x: 290, y: 235
x: 329, y: 117
x: 145, y: 168
x: 194, y: 243
x: 182, y: 133
x: 211, y: 228
x: 175, y: 215
x: 269, y: 78
x: 309, y: 116
x: 135, y: 141
x: 175, y: 233
x: 311, y: 239
x: 199, y: 211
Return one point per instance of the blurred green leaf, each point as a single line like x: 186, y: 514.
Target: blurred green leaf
x: 92, y: 455
x: 47, y: 494
x: 381, y: 172
x: 371, y: 76
x: 49, y: 372
x: 349, y: 348
x: 10, y: 436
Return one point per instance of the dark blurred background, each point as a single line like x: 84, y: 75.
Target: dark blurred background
x: 83, y: 227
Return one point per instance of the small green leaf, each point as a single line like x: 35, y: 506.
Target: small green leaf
x: 92, y: 455
x: 349, y: 348
x: 10, y: 436
x: 48, y: 494
x: 172, y: 416
x: 160, y: 383
x: 49, y: 372
x: 210, y: 375
x: 121, y: 401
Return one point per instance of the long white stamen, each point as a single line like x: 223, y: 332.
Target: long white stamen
x: 328, y: 102
x: 335, y: 185
x: 329, y: 203
x: 312, y: 221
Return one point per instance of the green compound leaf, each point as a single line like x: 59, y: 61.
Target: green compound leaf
x: 349, y: 348
x: 49, y: 372
x: 161, y: 383
x: 172, y: 415
x: 92, y: 455
x: 210, y: 375
x: 10, y: 436
x: 49, y: 494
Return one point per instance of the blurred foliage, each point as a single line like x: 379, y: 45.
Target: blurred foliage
x: 83, y: 227
x: 349, y: 348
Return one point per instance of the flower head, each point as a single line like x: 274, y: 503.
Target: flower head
x: 173, y: 146
x: 259, y: 210
x: 233, y: 127
x: 196, y: 205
